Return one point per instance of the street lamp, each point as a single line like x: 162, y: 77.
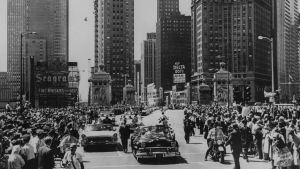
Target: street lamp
x: 272, y: 57
x: 21, y: 66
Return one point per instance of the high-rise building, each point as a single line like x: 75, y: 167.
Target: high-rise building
x: 286, y: 24
x: 227, y: 31
x: 137, y: 80
x: 16, y: 24
x: 114, y: 50
x: 4, y: 87
x: 148, y: 63
x: 173, y: 48
x: 49, y: 20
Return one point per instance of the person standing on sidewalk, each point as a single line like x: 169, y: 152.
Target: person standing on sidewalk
x: 235, y: 142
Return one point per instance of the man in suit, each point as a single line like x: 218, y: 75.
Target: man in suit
x: 45, y: 155
x: 235, y: 142
x: 124, y: 135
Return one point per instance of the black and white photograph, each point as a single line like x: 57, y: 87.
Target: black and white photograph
x: 149, y: 84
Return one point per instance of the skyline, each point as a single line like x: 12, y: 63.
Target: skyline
x: 81, y: 33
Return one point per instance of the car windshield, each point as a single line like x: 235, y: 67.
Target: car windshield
x: 99, y: 128
x: 155, y: 131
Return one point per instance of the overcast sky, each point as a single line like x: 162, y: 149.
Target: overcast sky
x: 82, y: 32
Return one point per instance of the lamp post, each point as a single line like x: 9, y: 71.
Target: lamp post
x: 21, y: 65
x: 272, y: 58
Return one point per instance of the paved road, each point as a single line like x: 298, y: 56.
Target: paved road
x: 192, y: 154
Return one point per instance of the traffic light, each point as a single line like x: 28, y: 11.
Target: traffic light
x: 247, y: 94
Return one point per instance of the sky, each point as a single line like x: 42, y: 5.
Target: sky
x: 81, y: 33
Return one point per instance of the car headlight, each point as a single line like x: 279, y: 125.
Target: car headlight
x: 115, y: 135
x: 173, y: 144
x: 83, y: 137
x: 143, y: 145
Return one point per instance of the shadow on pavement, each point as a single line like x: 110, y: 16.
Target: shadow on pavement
x: 104, y: 148
x: 195, y: 143
x: 164, y: 161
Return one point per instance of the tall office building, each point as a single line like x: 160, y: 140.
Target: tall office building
x: 148, y: 63
x: 114, y: 50
x: 49, y: 19
x: 227, y: 31
x: 173, y: 48
x: 16, y: 24
x: 286, y: 23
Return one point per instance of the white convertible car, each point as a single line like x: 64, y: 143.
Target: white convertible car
x: 99, y: 135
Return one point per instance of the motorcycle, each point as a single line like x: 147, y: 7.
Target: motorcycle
x: 218, y: 151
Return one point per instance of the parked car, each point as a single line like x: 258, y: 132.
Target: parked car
x: 99, y: 135
x: 154, y: 142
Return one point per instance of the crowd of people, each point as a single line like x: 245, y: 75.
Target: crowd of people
x: 269, y: 133
x: 33, y: 138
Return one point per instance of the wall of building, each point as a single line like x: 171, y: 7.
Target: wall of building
x: 114, y: 42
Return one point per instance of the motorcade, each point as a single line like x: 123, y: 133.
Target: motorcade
x: 99, y: 135
x: 218, y: 151
x: 110, y: 115
x: 154, y: 142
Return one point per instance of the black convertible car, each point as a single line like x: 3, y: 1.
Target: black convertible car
x: 154, y: 142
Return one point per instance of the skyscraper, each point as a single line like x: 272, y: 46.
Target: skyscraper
x: 16, y: 24
x: 148, y: 63
x: 173, y: 48
x: 227, y: 31
x: 114, y: 50
x: 49, y: 20
x: 286, y: 23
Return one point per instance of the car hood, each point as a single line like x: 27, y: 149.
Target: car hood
x: 99, y: 133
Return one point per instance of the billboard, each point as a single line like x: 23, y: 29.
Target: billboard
x: 56, y: 79
x: 179, y: 75
x: 57, y: 91
x: 179, y: 78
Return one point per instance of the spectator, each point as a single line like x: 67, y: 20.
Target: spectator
x: 15, y: 161
x: 46, y: 156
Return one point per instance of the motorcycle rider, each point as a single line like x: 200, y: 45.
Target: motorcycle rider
x: 214, y: 134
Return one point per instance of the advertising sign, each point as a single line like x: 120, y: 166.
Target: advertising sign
x: 179, y: 78
x: 179, y: 75
x: 57, y: 91
x: 52, y: 78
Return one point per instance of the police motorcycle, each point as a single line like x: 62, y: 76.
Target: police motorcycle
x: 218, y: 151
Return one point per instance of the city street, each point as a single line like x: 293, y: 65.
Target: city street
x: 192, y: 154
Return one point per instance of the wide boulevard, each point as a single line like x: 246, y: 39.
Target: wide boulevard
x: 192, y: 154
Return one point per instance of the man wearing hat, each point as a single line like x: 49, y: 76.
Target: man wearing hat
x: 236, y: 145
x: 45, y: 155
x: 73, y: 159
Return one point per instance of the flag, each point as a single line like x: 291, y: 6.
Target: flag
x: 291, y: 78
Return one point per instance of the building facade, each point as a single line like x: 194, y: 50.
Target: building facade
x: 114, y: 42
x: 173, y: 37
x: 286, y: 23
x: 49, y: 21
x: 137, y: 80
x: 227, y: 31
x: 148, y: 63
x: 4, y: 87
